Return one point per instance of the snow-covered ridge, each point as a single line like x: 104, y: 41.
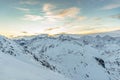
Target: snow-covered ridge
x: 8, y: 46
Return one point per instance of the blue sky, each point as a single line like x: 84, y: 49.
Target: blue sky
x: 29, y: 17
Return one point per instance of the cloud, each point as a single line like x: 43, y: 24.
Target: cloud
x: 91, y: 30
x: 97, y: 19
x: 54, y: 15
x: 48, y: 7
x: 70, y: 12
x: 80, y: 18
x: 23, y: 9
x: 24, y: 32
x: 117, y: 16
x: 32, y: 17
x: 29, y: 2
x: 50, y: 10
x: 50, y: 29
x: 110, y: 6
x: 50, y: 13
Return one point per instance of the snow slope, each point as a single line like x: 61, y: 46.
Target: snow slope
x: 13, y: 69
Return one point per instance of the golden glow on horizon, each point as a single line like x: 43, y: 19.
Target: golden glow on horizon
x: 11, y: 35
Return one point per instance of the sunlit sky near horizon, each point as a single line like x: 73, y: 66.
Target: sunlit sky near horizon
x: 29, y: 17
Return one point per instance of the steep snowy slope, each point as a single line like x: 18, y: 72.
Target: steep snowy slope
x: 14, y: 69
x: 10, y: 47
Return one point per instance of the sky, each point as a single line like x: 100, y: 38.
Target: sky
x: 30, y: 17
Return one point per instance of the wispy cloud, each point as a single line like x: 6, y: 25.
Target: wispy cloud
x: 50, y: 29
x: 80, y: 18
x: 70, y: 12
x: 24, y: 32
x: 50, y: 10
x: 48, y: 7
x: 32, y: 17
x: 23, y: 9
x: 117, y: 16
x: 111, y: 6
x: 97, y: 19
x: 56, y: 16
x: 29, y: 2
x: 95, y: 30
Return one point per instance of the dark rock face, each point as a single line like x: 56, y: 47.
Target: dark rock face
x: 45, y: 63
x: 100, y: 61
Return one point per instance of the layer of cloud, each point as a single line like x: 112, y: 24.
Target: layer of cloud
x: 117, y: 16
x: 32, y: 17
x: 94, y: 30
x: 110, y: 6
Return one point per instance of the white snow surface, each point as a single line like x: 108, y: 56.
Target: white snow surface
x: 14, y: 69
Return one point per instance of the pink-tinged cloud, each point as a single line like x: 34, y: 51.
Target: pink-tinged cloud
x: 48, y: 7
x: 70, y: 12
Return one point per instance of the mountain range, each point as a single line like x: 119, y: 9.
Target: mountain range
x: 61, y: 57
